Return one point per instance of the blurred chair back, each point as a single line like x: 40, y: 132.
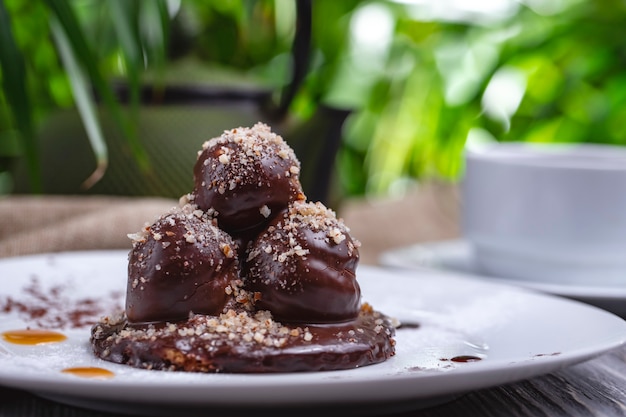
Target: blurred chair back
x: 174, y: 121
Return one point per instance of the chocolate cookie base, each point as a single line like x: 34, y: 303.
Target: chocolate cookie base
x: 245, y: 342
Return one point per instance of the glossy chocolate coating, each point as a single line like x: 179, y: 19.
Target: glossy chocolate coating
x: 180, y: 264
x: 246, y: 175
x: 303, y: 267
x: 246, y: 276
x: 366, y: 340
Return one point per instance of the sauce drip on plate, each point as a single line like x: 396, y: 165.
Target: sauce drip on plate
x: 465, y: 358
x: 89, y: 372
x: 32, y: 336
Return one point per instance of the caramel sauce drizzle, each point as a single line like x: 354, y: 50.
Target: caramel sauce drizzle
x: 32, y: 336
x: 39, y: 336
x: 89, y: 372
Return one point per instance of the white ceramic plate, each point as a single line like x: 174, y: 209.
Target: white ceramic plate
x: 456, y: 256
x: 516, y: 333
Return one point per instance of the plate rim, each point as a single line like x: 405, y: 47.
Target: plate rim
x: 524, y: 368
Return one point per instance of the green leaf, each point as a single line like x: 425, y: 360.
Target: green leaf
x: 78, y: 41
x: 123, y: 16
x: 14, y: 86
x: 154, y: 28
x: 10, y: 144
x: 84, y: 102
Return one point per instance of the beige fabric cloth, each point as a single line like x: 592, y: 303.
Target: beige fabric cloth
x: 39, y: 224
x: 427, y: 213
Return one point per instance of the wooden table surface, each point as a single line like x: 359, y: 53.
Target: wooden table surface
x: 593, y: 388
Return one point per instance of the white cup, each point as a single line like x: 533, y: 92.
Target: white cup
x: 553, y: 213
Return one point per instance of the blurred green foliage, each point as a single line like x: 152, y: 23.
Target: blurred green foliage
x: 420, y: 80
x: 544, y: 72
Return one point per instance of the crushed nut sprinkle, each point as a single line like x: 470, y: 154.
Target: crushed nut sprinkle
x: 235, y: 326
x: 224, y: 158
x: 265, y: 211
x: 238, y: 151
x: 188, y: 215
x: 302, y: 215
x: 181, y: 343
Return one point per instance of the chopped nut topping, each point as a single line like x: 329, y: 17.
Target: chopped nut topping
x: 224, y: 158
x: 240, y: 166
x: 227, y: 251
x: 300, y: 216
x: 265, y: 211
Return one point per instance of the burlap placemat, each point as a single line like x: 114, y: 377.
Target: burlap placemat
x: 41, y: 224
x: 426, y: 213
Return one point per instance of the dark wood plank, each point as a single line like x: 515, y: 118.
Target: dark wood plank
x: 596, y: 388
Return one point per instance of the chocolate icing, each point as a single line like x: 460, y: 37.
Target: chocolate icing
x: 195, y: 345
x: 303, y: 266
x: 181, y: 263
x: 246, y: 176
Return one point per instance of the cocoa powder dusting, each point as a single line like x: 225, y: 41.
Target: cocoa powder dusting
x: 54, y: 308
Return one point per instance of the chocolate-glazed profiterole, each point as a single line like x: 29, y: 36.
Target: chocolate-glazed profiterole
x: 303, y: 266
x: 246, y: 175
x: 245, y: 275
x: 181, y: 263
